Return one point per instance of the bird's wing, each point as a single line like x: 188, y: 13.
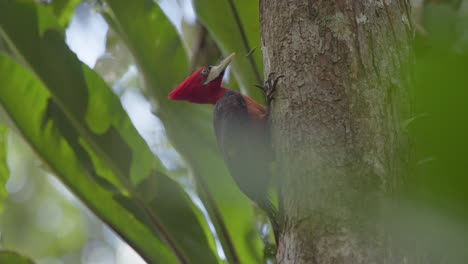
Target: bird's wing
x: 241, y: 140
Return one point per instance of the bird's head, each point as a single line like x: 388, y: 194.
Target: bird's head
x: 203, y: 86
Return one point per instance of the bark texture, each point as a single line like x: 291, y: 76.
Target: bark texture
x: 336, y: 121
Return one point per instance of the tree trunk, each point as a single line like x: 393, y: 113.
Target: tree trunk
x: 336, y: 120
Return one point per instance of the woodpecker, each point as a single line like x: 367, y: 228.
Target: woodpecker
x: 242, y: 130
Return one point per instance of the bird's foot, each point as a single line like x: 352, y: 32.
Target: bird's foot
x: 269, y: 87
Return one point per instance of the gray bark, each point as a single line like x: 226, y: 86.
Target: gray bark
x: 336, y: 121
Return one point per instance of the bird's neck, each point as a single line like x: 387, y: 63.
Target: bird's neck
x: 217, y: 95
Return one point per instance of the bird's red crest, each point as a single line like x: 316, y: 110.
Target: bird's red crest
x: 185, y: 90
x: 203, y: 86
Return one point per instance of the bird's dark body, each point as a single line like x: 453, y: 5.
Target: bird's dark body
x: 242, y: 134
x: 242, y: 130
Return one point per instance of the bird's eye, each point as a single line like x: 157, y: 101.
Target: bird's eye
x: 205, y: 71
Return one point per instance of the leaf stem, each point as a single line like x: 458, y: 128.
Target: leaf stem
x: 245, y: 40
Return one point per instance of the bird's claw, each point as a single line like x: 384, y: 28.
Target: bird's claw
x: 269, y: 86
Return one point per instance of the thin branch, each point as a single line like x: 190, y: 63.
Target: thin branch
x: 245, y: 40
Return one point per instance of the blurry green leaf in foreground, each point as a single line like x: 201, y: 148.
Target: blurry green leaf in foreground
x: 434, y: 217
x: 8, y: 257
x: 77, y: 125
x: 4, y: 172
x: 440, y: 132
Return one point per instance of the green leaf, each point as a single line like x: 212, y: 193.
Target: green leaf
x: 4, y: 172
x: 98, y: 125
x: 235, y: 27
x: 168, y: 198
x: 160, y: 56
x: 63, y: 10
x: 77, y: 125
x: 9, y: 257
x: 3, y: 46
x: 27, y: 105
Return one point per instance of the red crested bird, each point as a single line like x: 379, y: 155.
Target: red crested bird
x: 241, y: 128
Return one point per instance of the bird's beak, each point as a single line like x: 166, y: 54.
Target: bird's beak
x: 218, y: 69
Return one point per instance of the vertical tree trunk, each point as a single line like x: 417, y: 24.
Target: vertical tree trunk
x: 336, y: 123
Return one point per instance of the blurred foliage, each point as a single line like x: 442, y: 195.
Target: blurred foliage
x: 439, y: 105
x: 63, y: 10
x: 38, y: 221
x: 13, y: 258
x: 114, y: 64
x: 433, y: 220
x: 78, y: 128
x: 4, y: 173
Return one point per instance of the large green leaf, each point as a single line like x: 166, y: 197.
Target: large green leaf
x: 160, y: 56
x: 234, y: 25
x: 4, y: 172
x: 77, y: 125
x: 8, y: 257
x: 26, y: 104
